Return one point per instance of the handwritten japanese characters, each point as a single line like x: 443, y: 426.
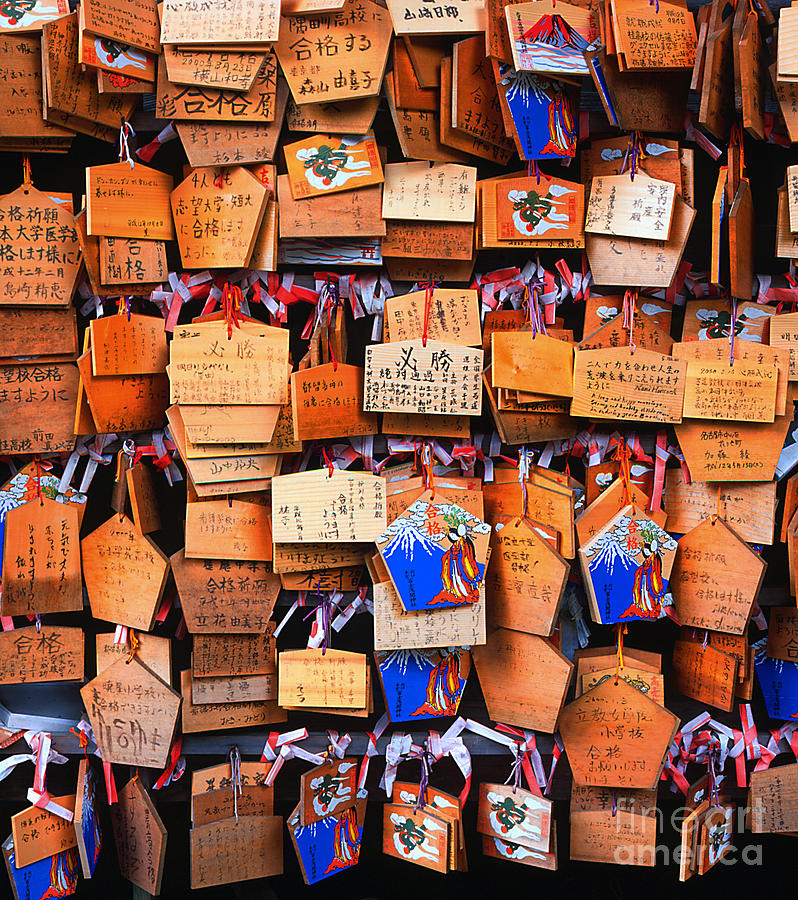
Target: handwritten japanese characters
x: 53, y: 654
x: 441, y: 192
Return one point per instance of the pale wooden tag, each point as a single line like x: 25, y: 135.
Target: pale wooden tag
x: 221, y: 716
x: 523, y: 677
x: 620, y: 206
x: 749, y: 508
x: 233, y: 689
x: 133, y: 713
x: 235, y: 850
x: 124, y: 402
x: 588, y: 727
x: 53, y: 654
x: 527, y: 362
x: 41, y: 558
x: 248, y: 367
x: 774, y: 799
x: 461, y: 17
x: 525, y: 580
x: 125, y: 574
x: 613, y: 827
x: 620, y: 384
x: 234, y: 654
x: 223, y: 596
x: 129, y: 202
x: 133, y: 22
x: 222, y: 529
x: 140, y: 837
x: 328, y: 507
x: 784, y: 335
x: 335, y: 679
x: 716, y: 578
x: 125, y: 261
x: 206, y: 68
x: 453, y: 317
x: 742, y: 391
x: 312, y: 70
x: 406, y: 376
x: 304, y: 557
x: 240, y: 21
x: 783, y: 633
x: 217, y: 225
x: 328, y: 402
x: 442, y: 192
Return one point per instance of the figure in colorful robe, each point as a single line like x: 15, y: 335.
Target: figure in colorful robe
x: 460, y: 573
x: 346, y: 841
x: 443, y: 688
x: 648, y: 588
x: 63, y: 874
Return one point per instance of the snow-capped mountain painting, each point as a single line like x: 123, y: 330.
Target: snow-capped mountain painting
x: 435, y: 553
x: 552, y: 45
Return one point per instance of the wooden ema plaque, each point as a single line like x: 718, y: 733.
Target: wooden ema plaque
x: 217, y: 223
x: 630, y: 262
x: 453, y: 317
x: 38, y: 332
x: 743, y: 391
x: 716, y: 578
x: 122, y: 346
x: 41, y: 559
x: 549, y: 504
x: 125, y: 574
x: 310, y: 678
x: 221, y: 716
x: 356, y: 38
x: 610, y: 502
x: 248, y: 367
x: 534, y: 363
x: 127, y: 202
x: 53, y: 244
x: 352, y: 213
x: 336, y: 117
x: 705, y: 674
x: 437, y: 192
x: 439, y: 379
x: 155, y: 652
x: 525, y: 580
x: 327, y: 401
x: 233, y: 689
x: 88, y: 829
x: 239, y: 22
x: 133, y: 22
x: 225, y: 596
x: 729, y: 451
x: 236, y: 850
x: 784, y: 335
x: 327, y: 789
x: 613, y: 827
x: 328, y: 507
x: 639, y: 386
x: 325, y: 164
x: 140, y: 837
x: 53, y: 654
x: 396, y: 629
x: 133, y: 713
x: 652, y: 684
x: 123, y: 402
x: 773, y: 799
x: 39, y: 833
x: 749, y: 508
x: 523, y: 678
x: 783, y: 633
x: 515, y: 815
x: 126, y: 261
x: 615, y: 736
x: 215, y: 806
x: 222, y: 529
x: 214, y: 779
x: 421, y: 837
x: 206, y: 68
x: 234, y: 654
x: 428, y: 240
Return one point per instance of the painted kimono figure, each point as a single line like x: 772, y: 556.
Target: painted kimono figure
x: 63, y: 874
x: 459, y: 568
x: 648, y: 589
x: 443, y: 688
x: 346, y: 841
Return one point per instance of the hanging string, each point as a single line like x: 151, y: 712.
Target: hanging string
x: 629, y: 310
x: 533, y: 170
x: 235, y: 777
x: 623, y: 456
x: 332, y: 307
x: 39, y: 481
x: 421, y: 800
x: 327, y: 462
x: 323, y: 613
x: 231, y: 305
x: 620, y: 631
x: 535, y: 320
x: 125, y: 134
x: 429, y: 287
x: 427, y: 468
x: 633, y: 156
x: 27, y: 177
x: 83, y: 741
x: 134, y: 642
x: 516, y: 769
x: 732, y: 330
x: 523, y: 475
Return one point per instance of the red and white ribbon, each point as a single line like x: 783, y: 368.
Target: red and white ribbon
x: 371, y: 749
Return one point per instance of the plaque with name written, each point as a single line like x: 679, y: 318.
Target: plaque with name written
x: 53, y: 654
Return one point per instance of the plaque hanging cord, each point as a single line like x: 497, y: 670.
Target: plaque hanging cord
x: 126, y: 134
x: 629, y: 310
x: 620, y: 631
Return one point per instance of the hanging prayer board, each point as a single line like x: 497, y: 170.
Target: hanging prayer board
x: 422, y: 684
x: 88, y: 829
x: 140, y: 837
